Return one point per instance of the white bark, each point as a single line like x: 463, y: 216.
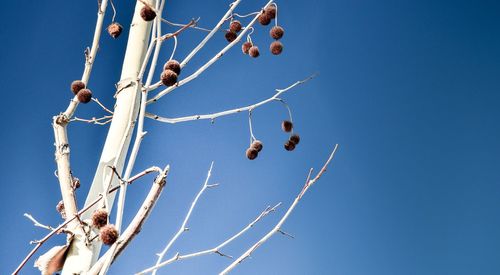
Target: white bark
x: 81, y: 256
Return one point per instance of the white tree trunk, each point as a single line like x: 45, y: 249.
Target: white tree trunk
x: 81, y: 256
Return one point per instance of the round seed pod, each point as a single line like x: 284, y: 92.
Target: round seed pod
x: 60, y: 209
x: 76, y: 182
x: 254, y: 51
x: 289, y: 145
x: 168, y: 78
x: 271, y: 11
x: 245, y: 47
x: 147, y: 13
x: 235, y: 26
x: 295, y: 139
x: 84, y: 95
x: 115, y: 29
x: 108, y: 234
x: 230, y: 36
x: 173, y: 65
x: 264, y: 19
x: 252, y: 153
x: 276, y: 32
x: 276, y: 47
x: 287, y: 126
x: 257, y: 145
x: 100, y: 218
x: 76, y: 86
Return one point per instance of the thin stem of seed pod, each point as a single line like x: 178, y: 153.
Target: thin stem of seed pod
x: 276, y: 17
x: 173, y: 50
x: 246, y: 15
x: 249, y: 38
x: 114, y: 10
x: 288, y: 109
x: 252, y: 137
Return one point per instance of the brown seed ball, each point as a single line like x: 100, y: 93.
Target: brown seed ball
x: 76, y: 183
x: 271, y: 11
x: 264, y: 19
x: 115, y: 29
x: 60, y: 209
x: 100, y: 218
x: 287, y: 126
x: 254, y: 51
x: 147, y: 13
x: 173, y: 65
x: 245, y: 47
x: 84, y: 95
x: 230, y: 36
x: 257, y: 145
x: 277, y: 32
x: 235, y: 26
x: 76, y: 86
x: 289, y: 145
x: 108, y: 234
x: 168, y: 78
x: 295, y: 139
x: 276, y: 47
x: 252, y: 153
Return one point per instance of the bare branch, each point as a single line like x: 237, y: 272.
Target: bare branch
x: 213, y: 116
x: 102, y: 105
x: 98, y: 121
x: 36, y: 223
x: 277, y: 228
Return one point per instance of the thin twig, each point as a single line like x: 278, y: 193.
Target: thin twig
x: 36, y: 223
x: 98, y: 121
x: 102, y: 105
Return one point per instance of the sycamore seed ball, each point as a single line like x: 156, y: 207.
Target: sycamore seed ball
x: 276, y: 48
x: 252, y: 153
x: 245, y: 47
x: 230, y: 36
x: 100, y: 218
x: 295, y: 138
x: 289, y: 145
x: 276, y: 32
x: 168, y: 78
x: 76, y: 86
x: 173, y: 65
x: 115, y: 29
x: 271, y: 11
x: 257, y: 145
x: 235, y: 26
x: 108, y: 234
x: 84, y: 95
x: 287, y: 126
x: 254, y: 51
x: 264, y: 19
x: 147, y: 13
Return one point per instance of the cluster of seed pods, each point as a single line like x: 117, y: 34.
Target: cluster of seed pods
x: 107, y: 232
x: 83, y: 94
x: 171, y: 71
x: 252, y: 152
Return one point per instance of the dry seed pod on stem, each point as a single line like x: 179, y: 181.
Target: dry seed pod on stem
x: 168, y: 78
x: 76, y: 86
x: 276, y: 47
x: 84, y: 95
x: 115, y: 29
x: 173, y: 65
x: 254, y: 51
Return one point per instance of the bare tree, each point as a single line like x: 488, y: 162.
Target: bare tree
x: 88, y: 228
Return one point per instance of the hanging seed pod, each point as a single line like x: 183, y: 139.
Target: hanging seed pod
x: 115, y: 29
x: 276, y: 32
x: 173, y: 65
x: 76, y: 86
x: 100, y: 218
x: 230, y: 36
x: 254, y: 51
x: 276, y: 48
x: 295, y: 138
x: 168, y: 78
x: 271, y: 11
x: 84, y: 95
x: 147, y: 13
x: 252, y: 153
x: 289, y: 145
x: 287, y: 126
x: 264, y: 19
x: 108, y: 234
x: 257, y: 145
x: 235, y: 26
x: 245, y: 47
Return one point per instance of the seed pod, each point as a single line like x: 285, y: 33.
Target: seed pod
x: 168, y: 78
x: 257, y: 145
x: 84, y: 95
x: 276, y: 32
x: 100, y: 218
x: 295, y: 139
x: 289, y: 145
x: 276, y: 47
x: 271, y: 11
x: 108, y: 234
x: 173, y: 65
x: 264, y: 19
x: 115, y: 29
x: 287, y: 126
x: 60, y: 209
x: 245, y: 47
x: 230, y: 36
x: 76, y: 86
x: 252, y: 153
x: 76, y: 182
x: 235, y: 26
x: 147, y: 13
x: 254, y: 51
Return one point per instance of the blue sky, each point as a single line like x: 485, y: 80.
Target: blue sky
x: 409, y: 89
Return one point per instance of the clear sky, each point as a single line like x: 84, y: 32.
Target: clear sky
x: 409, y: 89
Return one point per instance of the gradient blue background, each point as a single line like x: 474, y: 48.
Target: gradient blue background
x: 409, y: 89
